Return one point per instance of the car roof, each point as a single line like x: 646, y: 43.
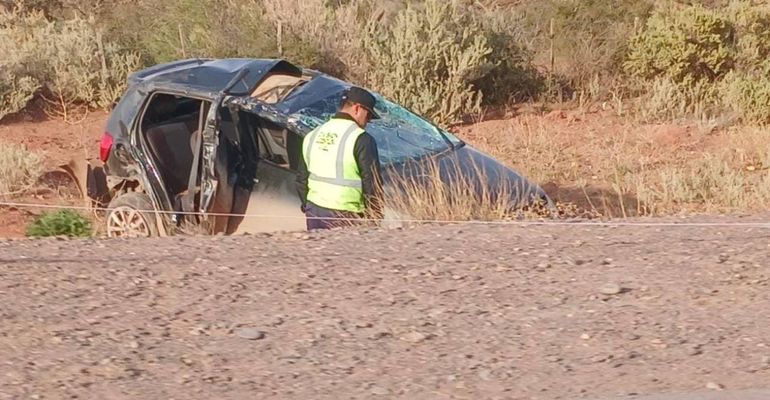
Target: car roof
x: 209, y: 76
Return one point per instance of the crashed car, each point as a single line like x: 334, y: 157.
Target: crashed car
x: 213, y: 145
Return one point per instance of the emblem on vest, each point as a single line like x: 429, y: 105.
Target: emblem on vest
x: 326, y: 139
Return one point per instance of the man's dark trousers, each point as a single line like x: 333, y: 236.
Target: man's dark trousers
x: 323, y: 218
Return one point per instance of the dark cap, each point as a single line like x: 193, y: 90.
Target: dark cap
x: 362, y: 97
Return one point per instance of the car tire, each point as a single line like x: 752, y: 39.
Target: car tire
x: 130, y: 215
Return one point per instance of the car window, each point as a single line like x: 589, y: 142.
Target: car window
x: 401, y: 135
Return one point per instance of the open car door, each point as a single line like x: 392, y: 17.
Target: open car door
x: 227, y: 156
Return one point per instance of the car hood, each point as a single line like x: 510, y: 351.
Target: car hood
x: 466, y: 165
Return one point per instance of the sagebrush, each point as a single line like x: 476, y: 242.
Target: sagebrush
x: 19, y: 168
x: 428, y: 58
x: 68, y: 59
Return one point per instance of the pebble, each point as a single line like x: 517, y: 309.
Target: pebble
x: 585, y: 336
x: 611, y: 289
x: 379, y: 391
x: 485, y: 375
x: 250, y: 333
x: 714, y: 386
x: 414, y: 337
x: 694, y: 351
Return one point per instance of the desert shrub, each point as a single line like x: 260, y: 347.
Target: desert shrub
x: 748, y: 95
x: 428, y: 59
x: 60, y: 223
x: 19, y: 168
x: 686, y: 45
x: 666, y: 99
x: 68, y: 58
x: 15, y: 92
x: 752, y: 32
x: 332, y: 28
x: 209, y: 28
x: 705, y: 59
x: 590, y: 36
x: 513, y: 76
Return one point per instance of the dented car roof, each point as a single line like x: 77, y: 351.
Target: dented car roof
x: 212, y: 75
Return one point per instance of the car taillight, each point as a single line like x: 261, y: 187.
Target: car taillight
x: 105, y: 147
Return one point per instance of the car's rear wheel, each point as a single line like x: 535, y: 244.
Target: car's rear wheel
x: 130, y: 216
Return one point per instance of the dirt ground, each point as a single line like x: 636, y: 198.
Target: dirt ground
x: 432, y: 312
x: 58, y: 141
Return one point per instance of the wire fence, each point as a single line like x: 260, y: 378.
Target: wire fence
x: 525, y: 222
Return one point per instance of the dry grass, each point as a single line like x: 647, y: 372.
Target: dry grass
x: 618, y: 168
x: 19, y: 168
x: 433, y: 192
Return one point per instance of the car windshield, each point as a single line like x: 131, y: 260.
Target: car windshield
x: 400, y: 134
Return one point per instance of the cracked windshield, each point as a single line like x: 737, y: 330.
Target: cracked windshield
x: 400, y: 134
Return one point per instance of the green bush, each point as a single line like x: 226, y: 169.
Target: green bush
x: 749, y: 96
x: 428, y: 59
x: 60, y: 223
x: 686, y: 45
x: 696, y: 59
x: 15, y: 92
x: 752, y: 31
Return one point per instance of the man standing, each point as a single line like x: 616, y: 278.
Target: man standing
x: 339, y: 177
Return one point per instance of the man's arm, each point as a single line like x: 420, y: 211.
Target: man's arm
x: 302, y: 177
x: 368, y: 160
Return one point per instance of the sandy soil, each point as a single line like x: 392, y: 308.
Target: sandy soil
x: 463, y: 312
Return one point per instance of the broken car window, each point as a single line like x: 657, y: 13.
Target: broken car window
x: 400, y: 134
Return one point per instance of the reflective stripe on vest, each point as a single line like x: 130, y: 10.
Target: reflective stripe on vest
x: 334, y: 181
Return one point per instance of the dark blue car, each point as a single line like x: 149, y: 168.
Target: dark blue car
x: 213, y: 145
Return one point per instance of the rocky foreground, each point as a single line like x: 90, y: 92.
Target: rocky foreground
x: 434, y: 312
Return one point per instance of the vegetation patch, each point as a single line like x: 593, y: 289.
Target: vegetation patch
x: 60, y: 223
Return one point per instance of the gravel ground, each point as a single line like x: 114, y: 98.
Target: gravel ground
x: 465, y: 312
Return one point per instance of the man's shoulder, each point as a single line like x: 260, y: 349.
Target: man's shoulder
x: 366, y: 139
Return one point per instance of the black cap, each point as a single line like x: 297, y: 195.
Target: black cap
x: 362, y: 97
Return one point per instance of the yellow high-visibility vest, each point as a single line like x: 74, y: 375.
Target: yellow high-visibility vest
x: 335, y: 181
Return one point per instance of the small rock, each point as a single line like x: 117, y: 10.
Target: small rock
x: 250, y: 333
x: 379, y: 335
x: 379, y: 391
x: 607, y: 261
x: 631, y: 336
x: 134, y: 345
x: 714, y: 386
x: 611, y: 289
x: 723, y: 258
x: 485, y: 375
x: 414, y: 337
x: 585, y: 336
x: 694, y: 351
x: 363, y: 324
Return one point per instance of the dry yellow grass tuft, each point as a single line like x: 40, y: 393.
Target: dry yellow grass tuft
x: 445, y: 193
x: 19, y: 168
